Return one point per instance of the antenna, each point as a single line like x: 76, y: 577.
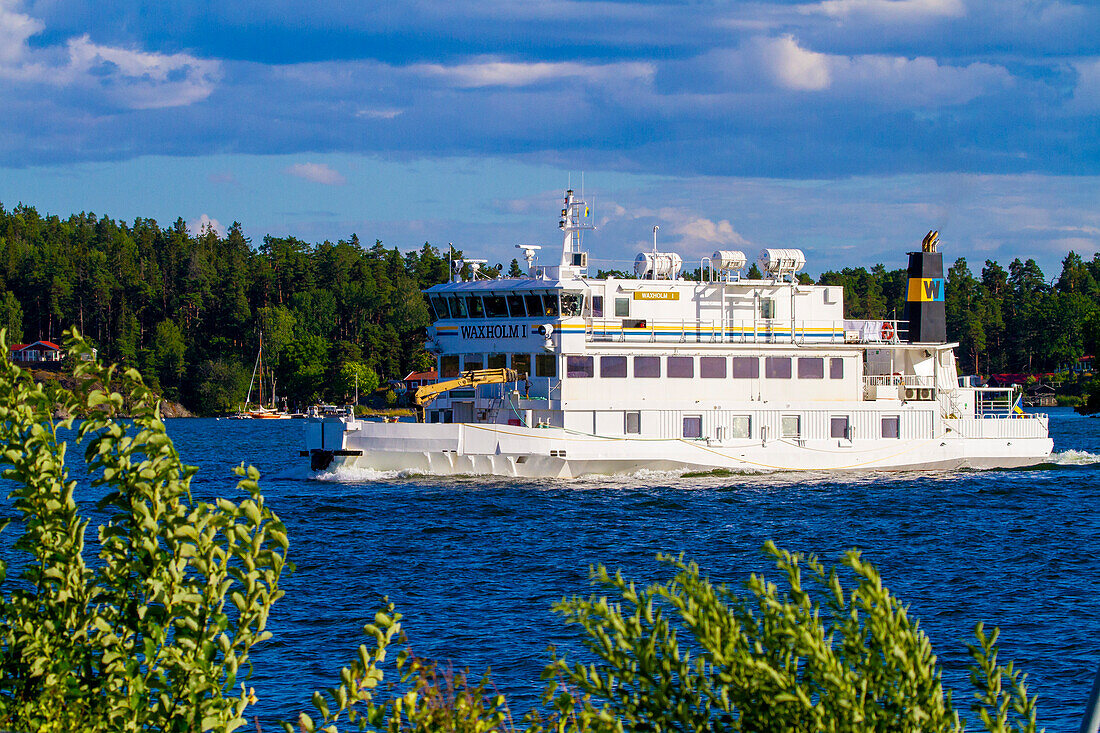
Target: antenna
x: 529, y: 251
x: 655, y: 228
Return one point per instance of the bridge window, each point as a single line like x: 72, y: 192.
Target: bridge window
x: 836, y: 369
x: 681, y: 366
x: 891, y: 426
x: 693, y: 426
x: 497, y: 361
x: 448, y: 365
x: 572, y: 304
x: 546, y: 365
x: 471, y: 361
x: 439, y: 307
x: 550, y: 304
x: 746, y: 367
x: 534, y: 305
x: 474, y: 307
x: 458, y: 306
x: 812, y: 367
x: 579, y: 367
x: 521, y: 363
x: 612, y: 366
x: 777, y: 367
x: 515, y: 306
x: 495, y: 307
x: 647, y: 366
x: 712, y: 367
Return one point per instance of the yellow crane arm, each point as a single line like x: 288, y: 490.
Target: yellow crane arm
x: 424, y: 395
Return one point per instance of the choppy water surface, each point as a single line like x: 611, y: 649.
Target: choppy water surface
x: 474, y: 564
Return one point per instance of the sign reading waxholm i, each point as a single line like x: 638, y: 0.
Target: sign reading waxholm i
x: 656, y: 295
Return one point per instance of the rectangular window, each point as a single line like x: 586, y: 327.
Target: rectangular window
x: 767, y: 308
x: 521, y: 363
x: 693, y: 426
x: 572, y: 304
x: 612, y: 366
x: 741, y: 427
x: 439, y: 305
x: 497, y: 361
x: 680, y: 366
x: 836, y: 368
x: 474, y: 307
x: 777, y: 367
x: 495, y: 307
x: 632, y: 423
x: 712, y: 367
x: 790, y: 426
x: 647, y: 367
x: 811, y: 367
x: 838, y: 427
x: 746, y: 367
x: 448, y: 365
x: 578, y: 367
x: 534, y: 306
x: 622, y: 307
x: 546, y: 365
x: 597, y: 306
x: 515, y: 306
x: 458, y: 307
x: 891, y: 426
x: 550, y: 304
x: 471, y: 361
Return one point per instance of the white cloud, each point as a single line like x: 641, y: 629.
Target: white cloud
x: 792, y: 67
x: 204, y: 222
x: 706, y: 230
x: 889, y: 10
x: 15, y: 29
x: 379, y: 113
x: 127, y: 78
x: 516, y: 74
x: 1086, y: 93
x: 317, y: 173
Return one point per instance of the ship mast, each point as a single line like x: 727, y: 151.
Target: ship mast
x: 574, y: 216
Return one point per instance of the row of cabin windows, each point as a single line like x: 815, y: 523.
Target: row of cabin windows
x: 511, y: 305
x: 790, y: 426
x: 709, y: 367
x: 649, y: 367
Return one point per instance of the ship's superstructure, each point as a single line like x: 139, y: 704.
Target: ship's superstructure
x: 662, y: 372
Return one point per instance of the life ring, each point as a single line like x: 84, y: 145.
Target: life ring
x: 887, y: 331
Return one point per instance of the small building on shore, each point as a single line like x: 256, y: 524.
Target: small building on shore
x: 40, y: 352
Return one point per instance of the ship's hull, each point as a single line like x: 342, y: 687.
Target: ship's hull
x: 503, y: 450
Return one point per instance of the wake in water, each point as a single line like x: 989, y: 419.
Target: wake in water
x: 1074, y: 458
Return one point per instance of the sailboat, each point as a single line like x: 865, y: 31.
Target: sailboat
x: 259, y: 412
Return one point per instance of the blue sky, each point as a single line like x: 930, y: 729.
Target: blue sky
x: 845, y: 127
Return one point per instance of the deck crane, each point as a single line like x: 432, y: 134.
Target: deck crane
x: 472, y: 378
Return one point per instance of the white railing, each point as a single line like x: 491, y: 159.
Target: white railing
x: 748, y: 331
x: 898, y: 380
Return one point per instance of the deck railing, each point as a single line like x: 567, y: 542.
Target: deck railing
x: 766, y: 331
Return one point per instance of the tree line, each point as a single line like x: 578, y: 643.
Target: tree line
x: 187, y: 309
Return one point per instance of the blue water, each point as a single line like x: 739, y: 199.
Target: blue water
x: 474, y: 564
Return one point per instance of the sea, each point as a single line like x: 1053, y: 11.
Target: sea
x: 474, y: 564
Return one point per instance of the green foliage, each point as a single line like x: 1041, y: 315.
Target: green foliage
x: 355, y: 375
x: 154, y: 633
x: 422, y: 698
x: 810, y: 656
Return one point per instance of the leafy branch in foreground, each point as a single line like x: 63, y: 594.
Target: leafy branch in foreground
x: 810, y: 656
x: 154, y: 635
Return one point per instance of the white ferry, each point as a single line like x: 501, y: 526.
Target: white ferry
x: 558, y: 374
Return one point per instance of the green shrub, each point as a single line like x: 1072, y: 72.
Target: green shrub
x: 154, y: 635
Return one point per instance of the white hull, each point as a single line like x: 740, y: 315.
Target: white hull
x: 502, y: 450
